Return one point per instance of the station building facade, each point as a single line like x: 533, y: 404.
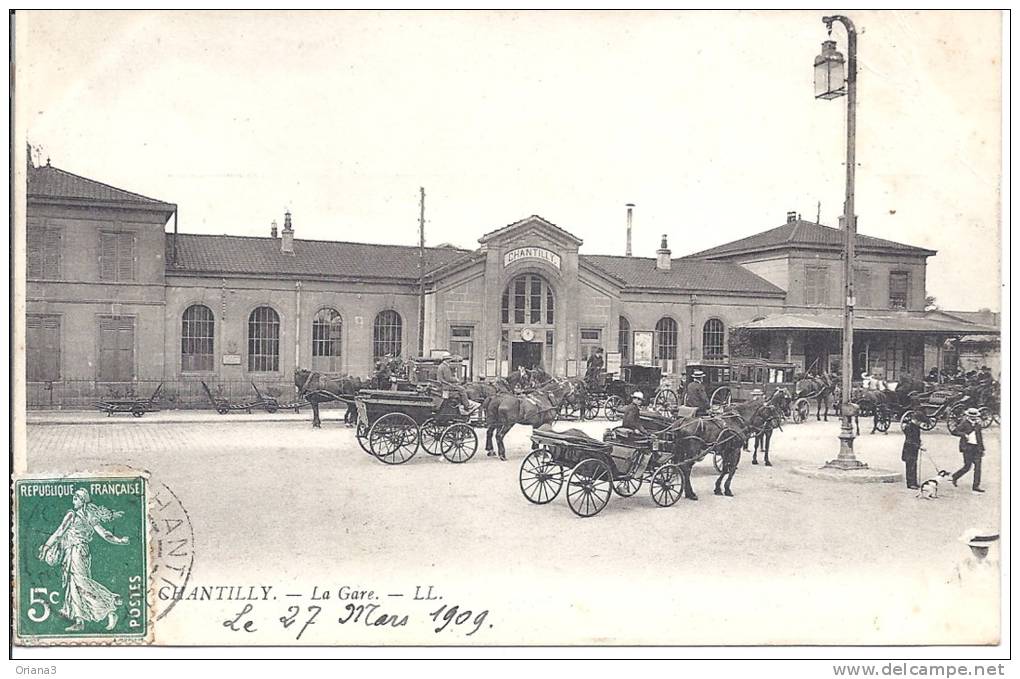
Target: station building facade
x: 114, y: 298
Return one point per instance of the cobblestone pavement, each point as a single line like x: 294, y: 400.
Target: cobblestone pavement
x: 284, y: 501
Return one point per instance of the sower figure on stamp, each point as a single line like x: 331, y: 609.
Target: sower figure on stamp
x: 448, y: 379
x: 972, y: 445
x: 84, y: 598
x: 911, y: 449
x: 695, y: 395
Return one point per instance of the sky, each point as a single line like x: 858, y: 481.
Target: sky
x: 705, y: 120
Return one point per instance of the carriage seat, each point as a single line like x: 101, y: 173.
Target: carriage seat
x: 572, y: 437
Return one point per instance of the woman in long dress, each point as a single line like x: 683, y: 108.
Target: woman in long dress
x: 84, y: 598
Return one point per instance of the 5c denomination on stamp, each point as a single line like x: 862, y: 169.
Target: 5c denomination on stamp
x: 81, y: 560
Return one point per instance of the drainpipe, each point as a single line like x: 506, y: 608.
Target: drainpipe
x: 297, y: 325
x: 174, y: 247
x: 690, y: 351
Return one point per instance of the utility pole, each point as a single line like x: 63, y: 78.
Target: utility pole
x: 421, y: 275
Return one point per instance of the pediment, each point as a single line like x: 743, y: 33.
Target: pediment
x: 530, y: 228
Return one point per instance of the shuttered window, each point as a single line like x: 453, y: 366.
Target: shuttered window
x: 197, y: 325
x: 42, y: 348
x: 117, y: 259
x: 116, y: 348
x: 816, y: 286
x: 43, y: 245
x: 899, y: 289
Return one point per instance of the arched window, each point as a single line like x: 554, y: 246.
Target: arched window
x: 327, y: 330
x: 197, y: 339
x: 263, y: 340
x: 712, y: 339
x: 387, y: 334
x: 665, y: 339
x: 623, y: 345
x: 528, y: 299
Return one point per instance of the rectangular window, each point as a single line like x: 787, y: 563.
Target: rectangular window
x: 462, y: 344
x: 591, y: 338
x: 116, y: 348
x: 899, y: 289
x: 520, y: 295
x: 536, y: 300
x: 43, y: 245
x: 862, y: 288
x: 117, y: 256
x: 42, y: 348
x: 816, y: 286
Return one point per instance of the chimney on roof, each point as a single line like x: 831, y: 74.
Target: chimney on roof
x: 287, y: 243
x: 272, y: 229
x: 791, y: 217
x: 663, y: 262
x: 630, y: 218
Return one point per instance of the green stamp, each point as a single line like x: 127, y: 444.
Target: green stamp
x: 81, y: 559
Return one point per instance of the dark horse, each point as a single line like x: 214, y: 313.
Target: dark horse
x: 819, y: 388
x: 780, y: 401
x: 320, y: 388
x: 538, y: 408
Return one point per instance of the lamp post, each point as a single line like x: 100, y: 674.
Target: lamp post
x: 830, y: 84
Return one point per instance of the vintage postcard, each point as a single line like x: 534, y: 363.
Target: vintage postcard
x: 508, y: 328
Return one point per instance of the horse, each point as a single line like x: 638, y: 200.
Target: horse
x: 818, y: 387
x: 538, y: 408
x: 780, y: 401
x: 320, y: 388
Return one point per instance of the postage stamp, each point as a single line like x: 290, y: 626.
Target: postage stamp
x: 81, y: 560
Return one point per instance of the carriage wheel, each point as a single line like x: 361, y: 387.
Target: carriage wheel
x: 430, y: 432
x: 627, y: 486
x: 393, y: 438
x: 954, y: 418
x: 927, y: 423
x: 667, y: 485
x: 614, y: 408
x: 222, y: 409
x: 590, y: 410
x: 883, y: 421
x: 800, y: 411
x: 361, y: 433
x: 272, y: 407
x: 589, y: 487
x: 721, y: 397
x: 540, y: 479
x: 137, y: 411
x: 458, y: 443
x: 566, y: 411
x: 717, y: 462
x: 666, y: 399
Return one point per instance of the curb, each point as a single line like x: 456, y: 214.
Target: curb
x: 869, y: 475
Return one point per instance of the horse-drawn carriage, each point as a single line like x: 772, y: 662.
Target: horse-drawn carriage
x: 612, y: 393
x: 392, y: 425
x: 738, y: 379
x: 593, y: 470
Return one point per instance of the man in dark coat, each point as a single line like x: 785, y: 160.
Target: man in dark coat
x: 911, y: 449
x: 696, y: 396
x: 972, y: 445
x: 593, y: 368
x: 450, y: 382
x: 632, y: 414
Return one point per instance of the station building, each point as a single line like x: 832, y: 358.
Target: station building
x: 116, y: 296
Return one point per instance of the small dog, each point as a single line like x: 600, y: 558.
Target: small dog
x: 929, y: 490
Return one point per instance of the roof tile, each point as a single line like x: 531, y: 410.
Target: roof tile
x: 683, y: 274
x: 51, y: 182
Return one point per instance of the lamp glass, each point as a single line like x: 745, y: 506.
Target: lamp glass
x: 830, y: 78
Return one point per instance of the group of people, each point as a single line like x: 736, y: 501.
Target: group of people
x: 972, y: 447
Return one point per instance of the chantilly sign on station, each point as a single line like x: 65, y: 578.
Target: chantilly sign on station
x: 531, y: 253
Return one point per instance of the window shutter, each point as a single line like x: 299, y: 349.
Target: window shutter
x: 126, y: 257
x: 52, y: 245
x: 107, y: 256
x: 34, y: 248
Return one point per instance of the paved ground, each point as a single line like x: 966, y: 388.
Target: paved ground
x: 789, y: 559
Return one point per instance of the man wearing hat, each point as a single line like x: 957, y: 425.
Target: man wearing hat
x: 972, y: 445
x: 911, y: 449
x: 696, y: 396
x: 449, y: 381
x: 632, y: 414
x: 593, y: 368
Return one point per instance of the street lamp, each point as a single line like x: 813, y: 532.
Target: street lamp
x: 830, y: 84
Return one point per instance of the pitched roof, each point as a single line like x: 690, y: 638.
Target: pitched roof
x: 51, y: 182
x: 800, y: 233
x: 253, y: 255
x: 986, y: 317
x: 683, y: 274
x: 533, y: 220
x: 893, y: 321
